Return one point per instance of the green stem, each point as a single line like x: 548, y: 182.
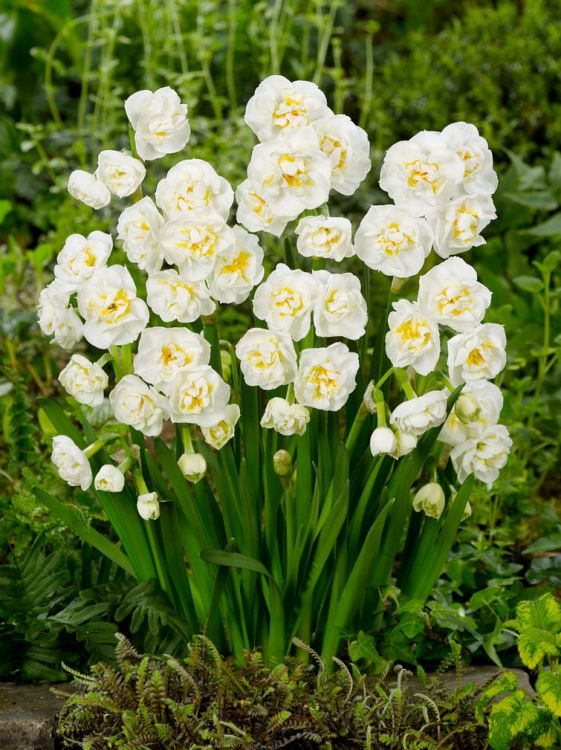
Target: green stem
x: 104, y: 359
x: 211, y: 334
x: 380, y: 407
x: 157, y: 556
x: 98, y: 444
x: 356, y: 428
x: 368, y: 80
x: 186, y: 438
x: 230, y: 67
x: 403, y: 380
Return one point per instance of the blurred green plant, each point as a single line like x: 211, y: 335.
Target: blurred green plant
x: 496, y: 64
x: 61, y: 607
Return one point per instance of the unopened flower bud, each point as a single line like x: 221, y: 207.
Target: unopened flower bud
x: 368, y: 398
x: 430, y: 499
x: 383, y: 440
x: 109, y: 479
x: 121, y: 454
x: 467, y: 408
x: 397, y: 284
x: 226, y: 364
x: 193, y: 466
x: 148, y: 506
x: 282, y: 463
x: 405, y: 443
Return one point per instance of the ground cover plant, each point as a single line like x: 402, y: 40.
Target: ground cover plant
x: 205, y: 701
x: 527, y: 720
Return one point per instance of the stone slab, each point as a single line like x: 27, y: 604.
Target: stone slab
x: 27, y: 715
x: 479, y: 676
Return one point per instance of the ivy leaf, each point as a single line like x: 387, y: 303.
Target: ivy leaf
x: 528, y: 177
x: 548, y: 686
x: 548, y: 228
x: 529, y: 283
x: 545, y: 569
x: 554, y: 175
x: 544, y: 200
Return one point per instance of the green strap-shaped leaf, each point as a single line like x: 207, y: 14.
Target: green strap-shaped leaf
x: 71, y: 518
x: 233, y: 560
x: 276, y: 645
x: 323, y: 549
x: 60, y: 421
x: 356, y: 585
x: 430, y: 558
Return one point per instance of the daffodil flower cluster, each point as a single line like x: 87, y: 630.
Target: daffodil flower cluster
x: 194, y: 260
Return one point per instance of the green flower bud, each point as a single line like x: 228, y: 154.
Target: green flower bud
x: 430, y: 499
x: 193, y: 466
x: 467, y: 408
x: 282, y: 463
x: 148, y: 506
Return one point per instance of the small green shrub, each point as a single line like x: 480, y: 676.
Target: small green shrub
x: 206, y: 702
x: 496, y: 65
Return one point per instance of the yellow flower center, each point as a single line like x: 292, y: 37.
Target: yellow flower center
x: 324, y: 381
x: 288, y: 302
x: 465, y: 224
x: 475, y: 358
x: 472, y: 162
x: 294, y: 171
x: 415, y: 333
x: 264, y: 360
x: 290, y: 111
x: 393, y: 240
x: 171, y: 354
x: 325, y: 237
x: 239, y: 265
x: 423, y: 173
x: 200, y: 243
x: 330, y: 145
x: 118, y: 308
x: 459, y: 302
x: 195, y: 396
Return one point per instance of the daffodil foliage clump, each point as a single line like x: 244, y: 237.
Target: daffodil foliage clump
x: 267, y: 483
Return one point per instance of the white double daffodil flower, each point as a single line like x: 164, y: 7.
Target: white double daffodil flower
x: 112, y: 312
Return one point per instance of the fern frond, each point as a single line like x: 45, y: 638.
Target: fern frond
x: 347, y: 676
x: 315, y: 656
x: 80, y: 677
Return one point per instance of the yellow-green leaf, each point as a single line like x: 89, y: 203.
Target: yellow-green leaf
x: 534, y: 644
x: 544, y: 613
x: 549, y: 738
x: 548, y: 686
